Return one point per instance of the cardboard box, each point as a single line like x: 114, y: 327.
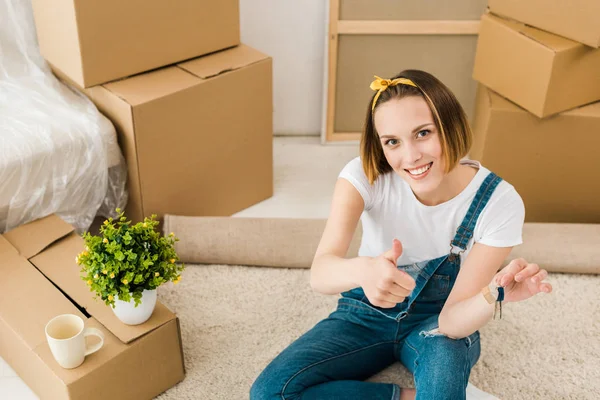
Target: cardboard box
x: 197, y: 136
x: 553, y: 162
x: 40, y: 280
x: 574, y: 19
x: 94, y: 42
x: 543, y: 73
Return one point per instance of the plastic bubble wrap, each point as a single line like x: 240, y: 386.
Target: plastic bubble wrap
x: 58, y: 154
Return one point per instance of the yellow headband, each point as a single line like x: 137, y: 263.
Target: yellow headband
x: 381, y: 85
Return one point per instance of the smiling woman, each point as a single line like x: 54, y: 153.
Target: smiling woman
x: 412, y: 153
x: 436, y: 229
x: 401, y: 112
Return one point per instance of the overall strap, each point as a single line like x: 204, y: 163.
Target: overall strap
x: 464, y: 233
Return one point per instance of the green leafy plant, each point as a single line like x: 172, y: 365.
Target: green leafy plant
x: 125, y: 259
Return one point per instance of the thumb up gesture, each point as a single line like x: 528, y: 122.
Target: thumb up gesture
x: 383, y: 283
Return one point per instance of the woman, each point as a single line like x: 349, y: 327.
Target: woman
x: 436, y: 229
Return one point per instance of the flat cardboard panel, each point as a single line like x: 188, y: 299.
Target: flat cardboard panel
x: 21, y: 328
x: 529, y: 153
x: 480, y: 124
x: 143, y: 368
x: 513, y: 65
x: 121, y: 365
x: 92, y: 366
x: 7, y: 249
x: 577, y: 78
x: 575, y: 19
x: 362, y: 56
x: 18, y: 300
x: 56, y: 27
x: 120, y: 114
x: 152, y: 85
x: 151, y: 34
x: 223, y: 61
x: 95, y: 42
x: 161, y: 350
x: 32, y: 238
x: 411, y: 10
x: 546, y: 39
x: 216, y: 148
x: 58, y: 264
x: 181, y: 142
x: 541, y: 72
x: 26, y: 363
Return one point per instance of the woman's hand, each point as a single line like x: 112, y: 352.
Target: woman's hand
x: 521, y: 280
x: 383, y: 283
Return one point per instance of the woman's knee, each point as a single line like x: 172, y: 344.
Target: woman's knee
x: 274, y: 383
x: 444, y: 365
x: 443, y: 350
x: 266, y: 387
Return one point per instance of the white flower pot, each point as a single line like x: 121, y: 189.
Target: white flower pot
x: 129, y: 314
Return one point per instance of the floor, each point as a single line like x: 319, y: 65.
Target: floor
x: 302, y: 189
x: 11, y: 386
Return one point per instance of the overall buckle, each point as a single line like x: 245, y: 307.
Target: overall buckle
x: 454, y: 255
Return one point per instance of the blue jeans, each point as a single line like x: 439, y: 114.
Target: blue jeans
x: 332, y: 360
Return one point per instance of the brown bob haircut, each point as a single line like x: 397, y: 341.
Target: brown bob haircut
x: 448, y: 115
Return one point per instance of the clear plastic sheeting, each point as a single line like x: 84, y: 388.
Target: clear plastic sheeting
x: 58, y: 154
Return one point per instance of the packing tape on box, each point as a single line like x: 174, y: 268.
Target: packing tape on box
x: 292, y: 242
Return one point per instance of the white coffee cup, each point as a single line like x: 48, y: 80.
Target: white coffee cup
x: 66, y: 337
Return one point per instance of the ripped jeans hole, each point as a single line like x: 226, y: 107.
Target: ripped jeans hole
x: 434, y: 333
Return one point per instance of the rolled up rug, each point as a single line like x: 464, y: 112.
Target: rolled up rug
x: 269, y: 242
x: 292, y: 242
x: 570, y: 248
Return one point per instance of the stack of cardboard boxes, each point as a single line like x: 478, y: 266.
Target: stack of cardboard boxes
x: 537, y: 115
x: 192, y: 106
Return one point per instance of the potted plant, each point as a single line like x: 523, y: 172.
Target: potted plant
x: 125, y: 264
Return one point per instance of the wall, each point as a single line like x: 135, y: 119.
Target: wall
x: 293, y: 33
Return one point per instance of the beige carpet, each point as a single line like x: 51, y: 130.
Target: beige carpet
x: 236, y: 319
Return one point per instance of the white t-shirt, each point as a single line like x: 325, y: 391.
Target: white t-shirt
x: 392, y: 211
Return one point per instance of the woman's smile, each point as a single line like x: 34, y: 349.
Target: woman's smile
x: 419, y: 172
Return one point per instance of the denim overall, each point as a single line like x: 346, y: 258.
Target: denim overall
x: 335, y: 357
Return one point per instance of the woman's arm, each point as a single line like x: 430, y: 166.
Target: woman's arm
x: 520, y: 280
x: 331, y: 272
x: 466, y: 309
